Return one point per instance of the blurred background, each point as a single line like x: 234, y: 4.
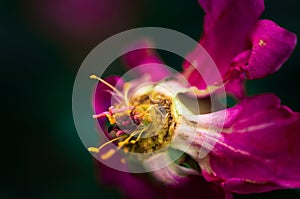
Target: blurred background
x: 43, y: 43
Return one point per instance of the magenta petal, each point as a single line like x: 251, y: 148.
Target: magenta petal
x: 244, y: 186
x: 236, y: 87
x: 272, y: 45
x: 196, y: 187
x: 133, y: 186
x: 260, y: 148
x: 180, y: 181
x: 234, y: 79
x: 227, y: 25
x: 146, y: 55
x: 136, y: 186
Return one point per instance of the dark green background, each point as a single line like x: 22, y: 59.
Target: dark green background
x: 42, y: 155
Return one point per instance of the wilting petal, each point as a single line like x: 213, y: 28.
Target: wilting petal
x: 227, y: 26
x: 234, y: 78
x: 259, y: 151
x: 271, y: 47
x: 146, y: 55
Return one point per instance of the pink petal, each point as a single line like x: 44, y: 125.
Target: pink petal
x: 227, y: 25
x: 136, y: 186
x: 259, y: 151
x: 146, y: 55
x: 271, y: 47
x: 245, y: 186
x: 196, y: 187
x: 133, y: 186
x: 236, y: 87
x: 180, y: 181
x: 234, y: 78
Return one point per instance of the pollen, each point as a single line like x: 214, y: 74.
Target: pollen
x: 108, y: 154
x: 143, y: 123
x: 111, y: 119
x: 122, y: 160
x: 93, y: 149
x: 262, y: 43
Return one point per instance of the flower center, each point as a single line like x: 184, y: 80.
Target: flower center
x: 142, y: 124
x: 153, y: 116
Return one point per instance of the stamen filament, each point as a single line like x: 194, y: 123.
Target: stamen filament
x: 121, y: 144
x: 115, y: 95
x: 120, y: 132
x: 96, y: 150
x: 100, y: 115
x: 143, y: 113
x: 113, y: 110
x: 107, y: 84
x: 127, y: 86
x: 138, y: 138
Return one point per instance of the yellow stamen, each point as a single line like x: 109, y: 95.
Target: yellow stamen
x: 126, y: 150
x: 127, y: 86
x: 209, y: 89
x: 111, y: 119
x: 262, y: 42
x: 96, y: 150
x: 138, y: 138
x: 121, y: 144
x: 93, y: 149
x: 108, y: 154
x: 107, y: 84
x: 146, y: 111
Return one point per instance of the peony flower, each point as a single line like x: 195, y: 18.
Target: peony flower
x: 251, y: 147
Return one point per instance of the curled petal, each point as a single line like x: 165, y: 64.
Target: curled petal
x: 271, y: 47
x: 260, y: 151
x: 252, y: 147
x: 227, y: 25
x: 235, y: 78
